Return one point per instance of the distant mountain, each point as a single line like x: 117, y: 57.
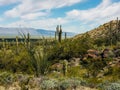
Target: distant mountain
x: 12, y: 32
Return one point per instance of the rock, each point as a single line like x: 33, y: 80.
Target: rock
x: 92, y: 54
x: 75, y: 62
x: 14, y: 86
x: 34, y: 82
x: 100, y: 75
x: 2, y: 88
x: 56, y: 67
x: 107, y: 53
x: 105, y: 69
x: 117, y: 52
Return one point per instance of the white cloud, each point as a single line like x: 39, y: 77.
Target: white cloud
x: 93, y: 17
x: 31, y: 7
x: 1, y: 19
x: 45, y: 23
x: 32, y: 16
x: 87, y: 19
x: 100, y: 13
x: 6, y: 2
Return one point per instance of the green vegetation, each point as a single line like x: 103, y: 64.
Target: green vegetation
x: 61, y: 64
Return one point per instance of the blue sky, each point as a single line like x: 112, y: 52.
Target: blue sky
x: 74, y: 15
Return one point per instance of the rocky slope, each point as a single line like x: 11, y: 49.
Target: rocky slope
x: 102, y: 30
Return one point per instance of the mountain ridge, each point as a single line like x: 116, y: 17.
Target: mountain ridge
x: 13, y: 32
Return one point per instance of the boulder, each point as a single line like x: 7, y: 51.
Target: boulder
x: 107, y: 53
x: 75, y: 62
x: 56, y: 67
x: 91, y: 53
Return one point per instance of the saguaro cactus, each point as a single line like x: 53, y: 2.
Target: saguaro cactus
x: 65, y: 64
x: 3, y: 42
x: 65, y: 35
x: 55, y: 35
x: 110, y: 28
x: 59, y: 32
x: 28, y: 40
x: 17, y: 44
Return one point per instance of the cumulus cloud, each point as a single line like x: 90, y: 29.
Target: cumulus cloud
x: 32, y: 7
x: 91, y: 18
x: 6, y: 2
x: 49, y: 23
x: 104, y: 11
x: 86, y: 19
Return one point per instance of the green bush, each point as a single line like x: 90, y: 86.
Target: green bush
x: 110, y: 86
x: 6, y: 78
x: 49, y: 84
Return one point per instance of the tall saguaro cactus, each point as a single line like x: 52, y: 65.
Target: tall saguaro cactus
x: 17, y: 44
x: 109, y: 28
x: 55, y: 35
x: 65, y: 35
x: 3, y: 42
x: 28, y: 40
x: 118, y: 29
x: 59, y: 32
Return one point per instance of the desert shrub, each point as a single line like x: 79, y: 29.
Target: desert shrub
x: 74, y: 71
x: 110, y: 86
x: 49, y: 84
x: 72, y: 83
x: 6, y: 78
x: 64, y: 84
x: 70, y: 48
x: 93, y: 66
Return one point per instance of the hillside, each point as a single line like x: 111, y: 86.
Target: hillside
x: 102, y: 30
